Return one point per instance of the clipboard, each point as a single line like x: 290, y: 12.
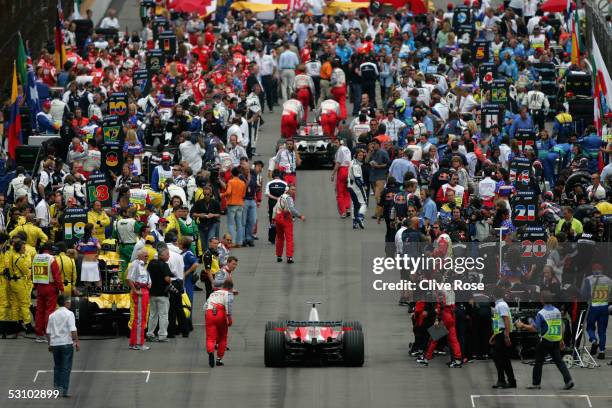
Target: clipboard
x: 437, y: 333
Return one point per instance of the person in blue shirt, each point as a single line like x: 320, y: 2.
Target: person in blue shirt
x: 521, y: 121
x: 508, y: 67
x: 591, y: 145
x: 429, y: 212
x: 343, y: 51
x: 190, y: 263
x: 549, y: 323
x: 547, y: 155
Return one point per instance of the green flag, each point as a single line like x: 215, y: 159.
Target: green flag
x: 22, y: 62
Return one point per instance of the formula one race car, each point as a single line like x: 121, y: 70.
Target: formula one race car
x: 314, y: 340
x: 313, y: 145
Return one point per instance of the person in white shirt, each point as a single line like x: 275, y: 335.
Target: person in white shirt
x: 393, y: 125
x: 236, y: 129
x: 236, y: 151
x: 140, y: 282
x: 110, y: 21
x: 63, y: 339
x: 486, y: 189
x: 177, y: 322
x: 191, y: 152
x: 267, y: 71
x: 43, y: 213
x: 342, y: 162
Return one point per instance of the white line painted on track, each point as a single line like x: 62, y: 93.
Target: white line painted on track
x: 147, y: 372
x: 473, y: 397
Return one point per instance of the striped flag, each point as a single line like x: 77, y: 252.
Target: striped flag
x: 602, y: 87
x: 14, y: 122
x: 60, y: 51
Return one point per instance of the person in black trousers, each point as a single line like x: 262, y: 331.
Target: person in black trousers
x: 502, y: 324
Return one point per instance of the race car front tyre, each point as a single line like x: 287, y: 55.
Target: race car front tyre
x: 278, y: 324
x: 353, y: 348
x: 274, y: 349
x: 353, y: 324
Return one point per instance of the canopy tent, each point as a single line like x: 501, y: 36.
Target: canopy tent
x: 260, y: 6
x: 342, y: 6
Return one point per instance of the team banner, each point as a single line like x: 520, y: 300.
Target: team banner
x: 525, y: 137
x: 490, y: 115
x: 99, y: 189
x: 533, y: 241
x: 155, y: 61
x: 486, y: 74
x: 461, y: 16
x: 167, y: 43
x: 499, y: 92
x: 524, y: 208
x: 112, y: 131
x: 481, y: 51
x: 159, y: 24
x: 141, y: 80
x: 112, y: 158
x: 118, y: 105
x: 521, y: 173
x: 75, y: 220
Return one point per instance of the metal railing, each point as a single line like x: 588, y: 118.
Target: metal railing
x: 596, y: 25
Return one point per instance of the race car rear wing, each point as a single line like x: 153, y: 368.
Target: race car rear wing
x: 305, y: 323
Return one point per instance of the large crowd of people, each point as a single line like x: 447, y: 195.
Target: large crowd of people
x: 442, y: 126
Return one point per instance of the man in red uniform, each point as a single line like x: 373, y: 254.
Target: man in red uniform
x: 445, y: 312
x: 284, y: 211
x: 342, y: 162
x: 292, y: 114
x: 304, y: 89
x: 47, y: 279
x: 329, y: 117
x: 140, y: 283
x: 218, y: 319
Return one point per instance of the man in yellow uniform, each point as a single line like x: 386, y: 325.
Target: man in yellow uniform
x: 99, y: 219
x: 4, y: 282
x: 126, y: 231
x: 67, y: 267
x: 20, y: 265
x: 34, y: 235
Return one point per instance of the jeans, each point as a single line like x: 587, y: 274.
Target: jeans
x: 62, y: 357
x: 599, y: 315
x: 158, y: 310
x: 249, y: 218
x: 207, y: 232
x: 235, y: 223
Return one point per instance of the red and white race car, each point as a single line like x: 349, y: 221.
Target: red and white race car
x: 313, y: 340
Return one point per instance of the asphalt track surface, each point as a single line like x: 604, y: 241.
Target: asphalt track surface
x: 327, y: 269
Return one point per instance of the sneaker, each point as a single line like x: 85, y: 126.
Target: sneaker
x: 439, y: 353
x: 510, y: 384
x: 211, y: 359
x: 568, y: 386
x: 151, y: 339
x: 279, y: 259
x: 455, y: 364
x: 499, y: 384
x: 219, y: 362
x: 133, y: 347
x: 422, y: 361
x: 289, y: 260
x: 162, y: 340
x: 416, y: 353
x: 360, y: 223
x: 534, y: 387
x: 594, y: 347
x: 41, y: 339
x: 144, y: 348
x: 355, y: 225
x: 343, y: 215
x: 601, y: 355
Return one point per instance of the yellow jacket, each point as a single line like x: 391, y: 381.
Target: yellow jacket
x: 20, y: 265
x: 173, y: 224
x: 30, y: 252
x: 33, y: 233
x: 67, y: 268
x: 104, y: 220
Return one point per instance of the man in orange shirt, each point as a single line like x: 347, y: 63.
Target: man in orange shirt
x: 234, y: 193
x: 326, y: 72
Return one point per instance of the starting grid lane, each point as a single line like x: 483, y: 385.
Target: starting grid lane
x: 147, y: 373
x: 475, y: 398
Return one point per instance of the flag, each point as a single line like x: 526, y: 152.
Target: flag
x: 60, y: 51
x: 260, y: 6
x: 77, y: 10
x: 602, y: 87
x: 14, y: 122
x: 31, y: 92
x: 575, y: 39
x: 22, y: 62
x: 202, y: 7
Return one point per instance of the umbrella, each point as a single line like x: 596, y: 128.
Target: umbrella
x: 554, y: 6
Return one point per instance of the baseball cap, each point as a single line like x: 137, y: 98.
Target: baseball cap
x: 166, y: 156
x: 162, y: 220
x: 46, y: 104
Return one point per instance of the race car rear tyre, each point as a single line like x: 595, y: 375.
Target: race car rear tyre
x: 353, y: 348
x: 80, y: 308
x: 274, y: 349
x: 353, y: 324
x: 278, y: 324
